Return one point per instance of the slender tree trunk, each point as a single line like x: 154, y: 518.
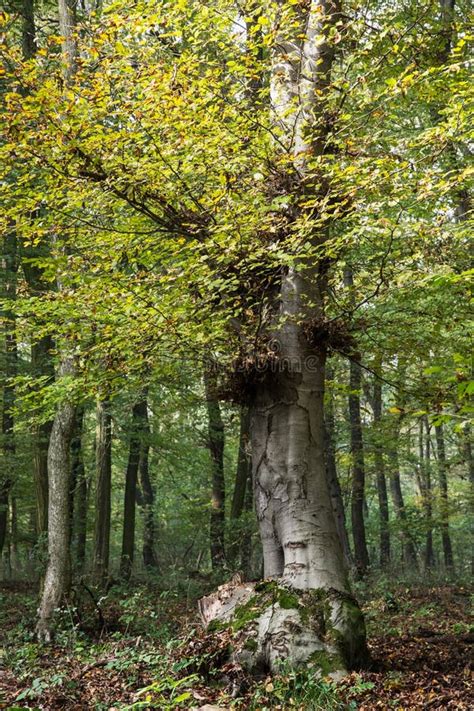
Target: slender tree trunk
x: 42, y: 368
x: 384, y: 523
x: 426, y: 492
x: 408, y: 548
x: 240, y: 495
x: 57, y: 581
x: 28, y: 35
x: 131, y: 477
x: 361, y: 555
x: 58, y: 572
x: 7, y: 475
x: 466, y: 443
x: 444, y: 502
x: 103, y: 491
x: 80, y: 492
x: 246, y: 541
x: 41, y: 361
x: 147, y: 494
x: 332, y: 478
x: 216, y: 449
x: 15, y: 561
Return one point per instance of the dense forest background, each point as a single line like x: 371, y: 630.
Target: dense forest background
x: 155, y: 198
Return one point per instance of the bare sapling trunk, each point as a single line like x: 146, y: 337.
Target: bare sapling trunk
x: 216, y: 450
x: 103, y: 491
x: 305, y: 577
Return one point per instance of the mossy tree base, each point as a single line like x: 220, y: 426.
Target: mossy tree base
x: 275, y: 625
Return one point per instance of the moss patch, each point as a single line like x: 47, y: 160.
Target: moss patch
x: 326, y: 662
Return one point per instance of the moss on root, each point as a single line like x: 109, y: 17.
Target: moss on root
x: 332, y: 618
x: 326, y: 662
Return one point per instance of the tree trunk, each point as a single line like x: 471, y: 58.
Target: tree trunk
x: 426, y: 492
x: 444, y: 502
x: 7, y: 476
x: 384, y: 530
x: 332, y: 478
x: 58, y: 572
x: 148, y: 497
x: 41, y: 361
x: 28, y: 35
x: 216, y: 449
x: 103, y: 491
x: 301, y: 546
x: 469, y: 460
x: 240, y: 496
x: 131, y: 476
x: 246, y: 541
x: 15, y: 561
x: 57, y: 581
x: 43, y: 369
x: 361, y: 555
x: 79, y: 491
x: 408, y: 548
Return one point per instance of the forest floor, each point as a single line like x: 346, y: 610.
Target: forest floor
x: 145, y: 650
